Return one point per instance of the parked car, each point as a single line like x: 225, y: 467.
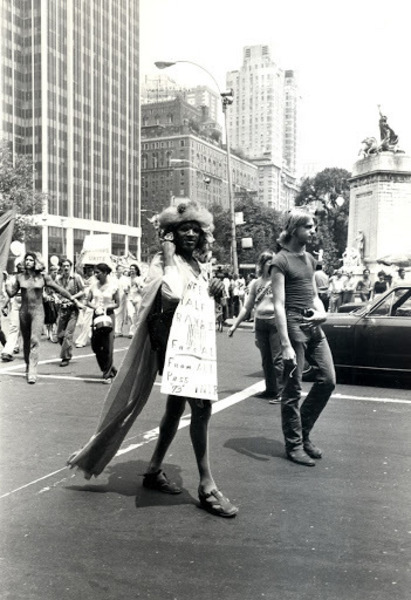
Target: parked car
x: 374, y: 337
x: 351, y: 306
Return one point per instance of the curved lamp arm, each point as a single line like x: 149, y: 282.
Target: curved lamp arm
x: 162, y: 64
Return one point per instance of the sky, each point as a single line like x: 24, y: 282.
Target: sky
x: 349, y: 58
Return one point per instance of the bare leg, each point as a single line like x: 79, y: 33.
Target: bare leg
x: 200, y: 418
x: 211, y: 499
x: 168, y: 429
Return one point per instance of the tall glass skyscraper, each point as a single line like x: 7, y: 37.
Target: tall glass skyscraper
x: 69, y: 94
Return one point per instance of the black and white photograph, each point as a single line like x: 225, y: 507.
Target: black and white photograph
x: 205, y: 300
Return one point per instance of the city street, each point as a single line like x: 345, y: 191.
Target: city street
x: 339, y: 531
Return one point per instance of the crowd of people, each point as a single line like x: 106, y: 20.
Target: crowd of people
x: 75, y: 301
x: 288, y: 313
x: 342, y: 287
x: 288, y: 300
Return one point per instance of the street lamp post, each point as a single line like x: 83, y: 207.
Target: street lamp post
x: 226, y: 100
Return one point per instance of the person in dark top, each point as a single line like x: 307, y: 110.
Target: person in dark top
x: 363, y: 288
x: 380, y: 286
x: 299, y: 313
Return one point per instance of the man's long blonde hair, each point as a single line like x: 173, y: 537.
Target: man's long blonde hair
x: 296, y: 218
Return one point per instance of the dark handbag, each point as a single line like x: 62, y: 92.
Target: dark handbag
x: 159, y: 325
x: 50, y: 311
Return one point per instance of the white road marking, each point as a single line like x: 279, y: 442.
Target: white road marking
x: 372, y: 398
x: 151, y: 435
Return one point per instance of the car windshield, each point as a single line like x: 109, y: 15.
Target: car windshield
x: 383, y: 305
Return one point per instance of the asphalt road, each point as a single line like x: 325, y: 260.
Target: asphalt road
x: 339, y: 531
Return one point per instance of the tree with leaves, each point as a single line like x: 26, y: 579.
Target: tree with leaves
x: 324, y: 194
x: 17, y: 190
x: 262, y: 224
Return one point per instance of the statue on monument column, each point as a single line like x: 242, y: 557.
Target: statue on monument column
x: 389, y: 139
x: 370, y: 146
x: 360, y: 243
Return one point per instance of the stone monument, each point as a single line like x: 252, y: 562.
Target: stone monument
x: 380, y: 200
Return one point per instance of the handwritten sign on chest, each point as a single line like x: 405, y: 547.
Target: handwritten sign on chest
x: 191, y: 363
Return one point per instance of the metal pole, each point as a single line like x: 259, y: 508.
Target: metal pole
x: 234, y: 256
x: 227, y: 99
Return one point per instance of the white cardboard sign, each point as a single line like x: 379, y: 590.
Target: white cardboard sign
x: 190, y: 368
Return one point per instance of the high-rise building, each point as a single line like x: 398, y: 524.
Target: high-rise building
x: 291, y: 113
x: 70, y: 100
x: 181, y: 156
x: 202, y: 95
x: 161, y: 88
x: 263, y: 123
x: 158, y: 88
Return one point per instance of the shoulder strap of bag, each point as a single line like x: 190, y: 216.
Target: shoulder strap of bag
x: 262, y: 293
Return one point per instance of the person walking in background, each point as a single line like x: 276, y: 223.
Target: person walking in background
x: 86, y: 313
x: 349, y: 287
x: 364, y: 286
x: 400, y: 279
x: 235, y: 295
x: 69, y: 311
x: 3, y: 339
x: 260, y: 298
x: 123, y: 284
x: 225, y: 298
x: 31, y: 282
x: 51, y: 328
x: 336, y: 288
x: 12, y: 309
x: 4, y: 311
x: 103, y: 298
x: 241, y: 291
x: 322, y: 282
x: 380, y: 286
x: 299, y: 313
x: 134, y: 297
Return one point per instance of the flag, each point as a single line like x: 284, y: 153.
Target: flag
x: 6, y: 231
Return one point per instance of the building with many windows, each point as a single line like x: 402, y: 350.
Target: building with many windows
x: 160, y: 87
x: 70, y: 100
x: 263, y: 123
x: 181, y: 156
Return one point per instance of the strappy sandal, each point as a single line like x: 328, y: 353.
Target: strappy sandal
x: 160, y: 482
x: 216, y: 503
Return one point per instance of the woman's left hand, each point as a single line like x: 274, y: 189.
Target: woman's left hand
x: 216, y: 287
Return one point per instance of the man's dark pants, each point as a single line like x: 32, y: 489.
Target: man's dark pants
x: 310, y: 344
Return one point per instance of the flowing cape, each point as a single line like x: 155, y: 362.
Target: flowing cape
x: 128, y: 393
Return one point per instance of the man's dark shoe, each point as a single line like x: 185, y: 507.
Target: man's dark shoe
x: 64, y: 362
x: 266, y: 395
x: 160, y: 482
x: 276, y: 400
x: 6, y: 357
x: 300, y: 457
x: 312, y: 450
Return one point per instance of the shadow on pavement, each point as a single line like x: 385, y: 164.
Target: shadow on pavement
x: 256, y: 447
x: 126, y: 479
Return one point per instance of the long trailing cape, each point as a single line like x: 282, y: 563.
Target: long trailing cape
x: 129, y: 391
